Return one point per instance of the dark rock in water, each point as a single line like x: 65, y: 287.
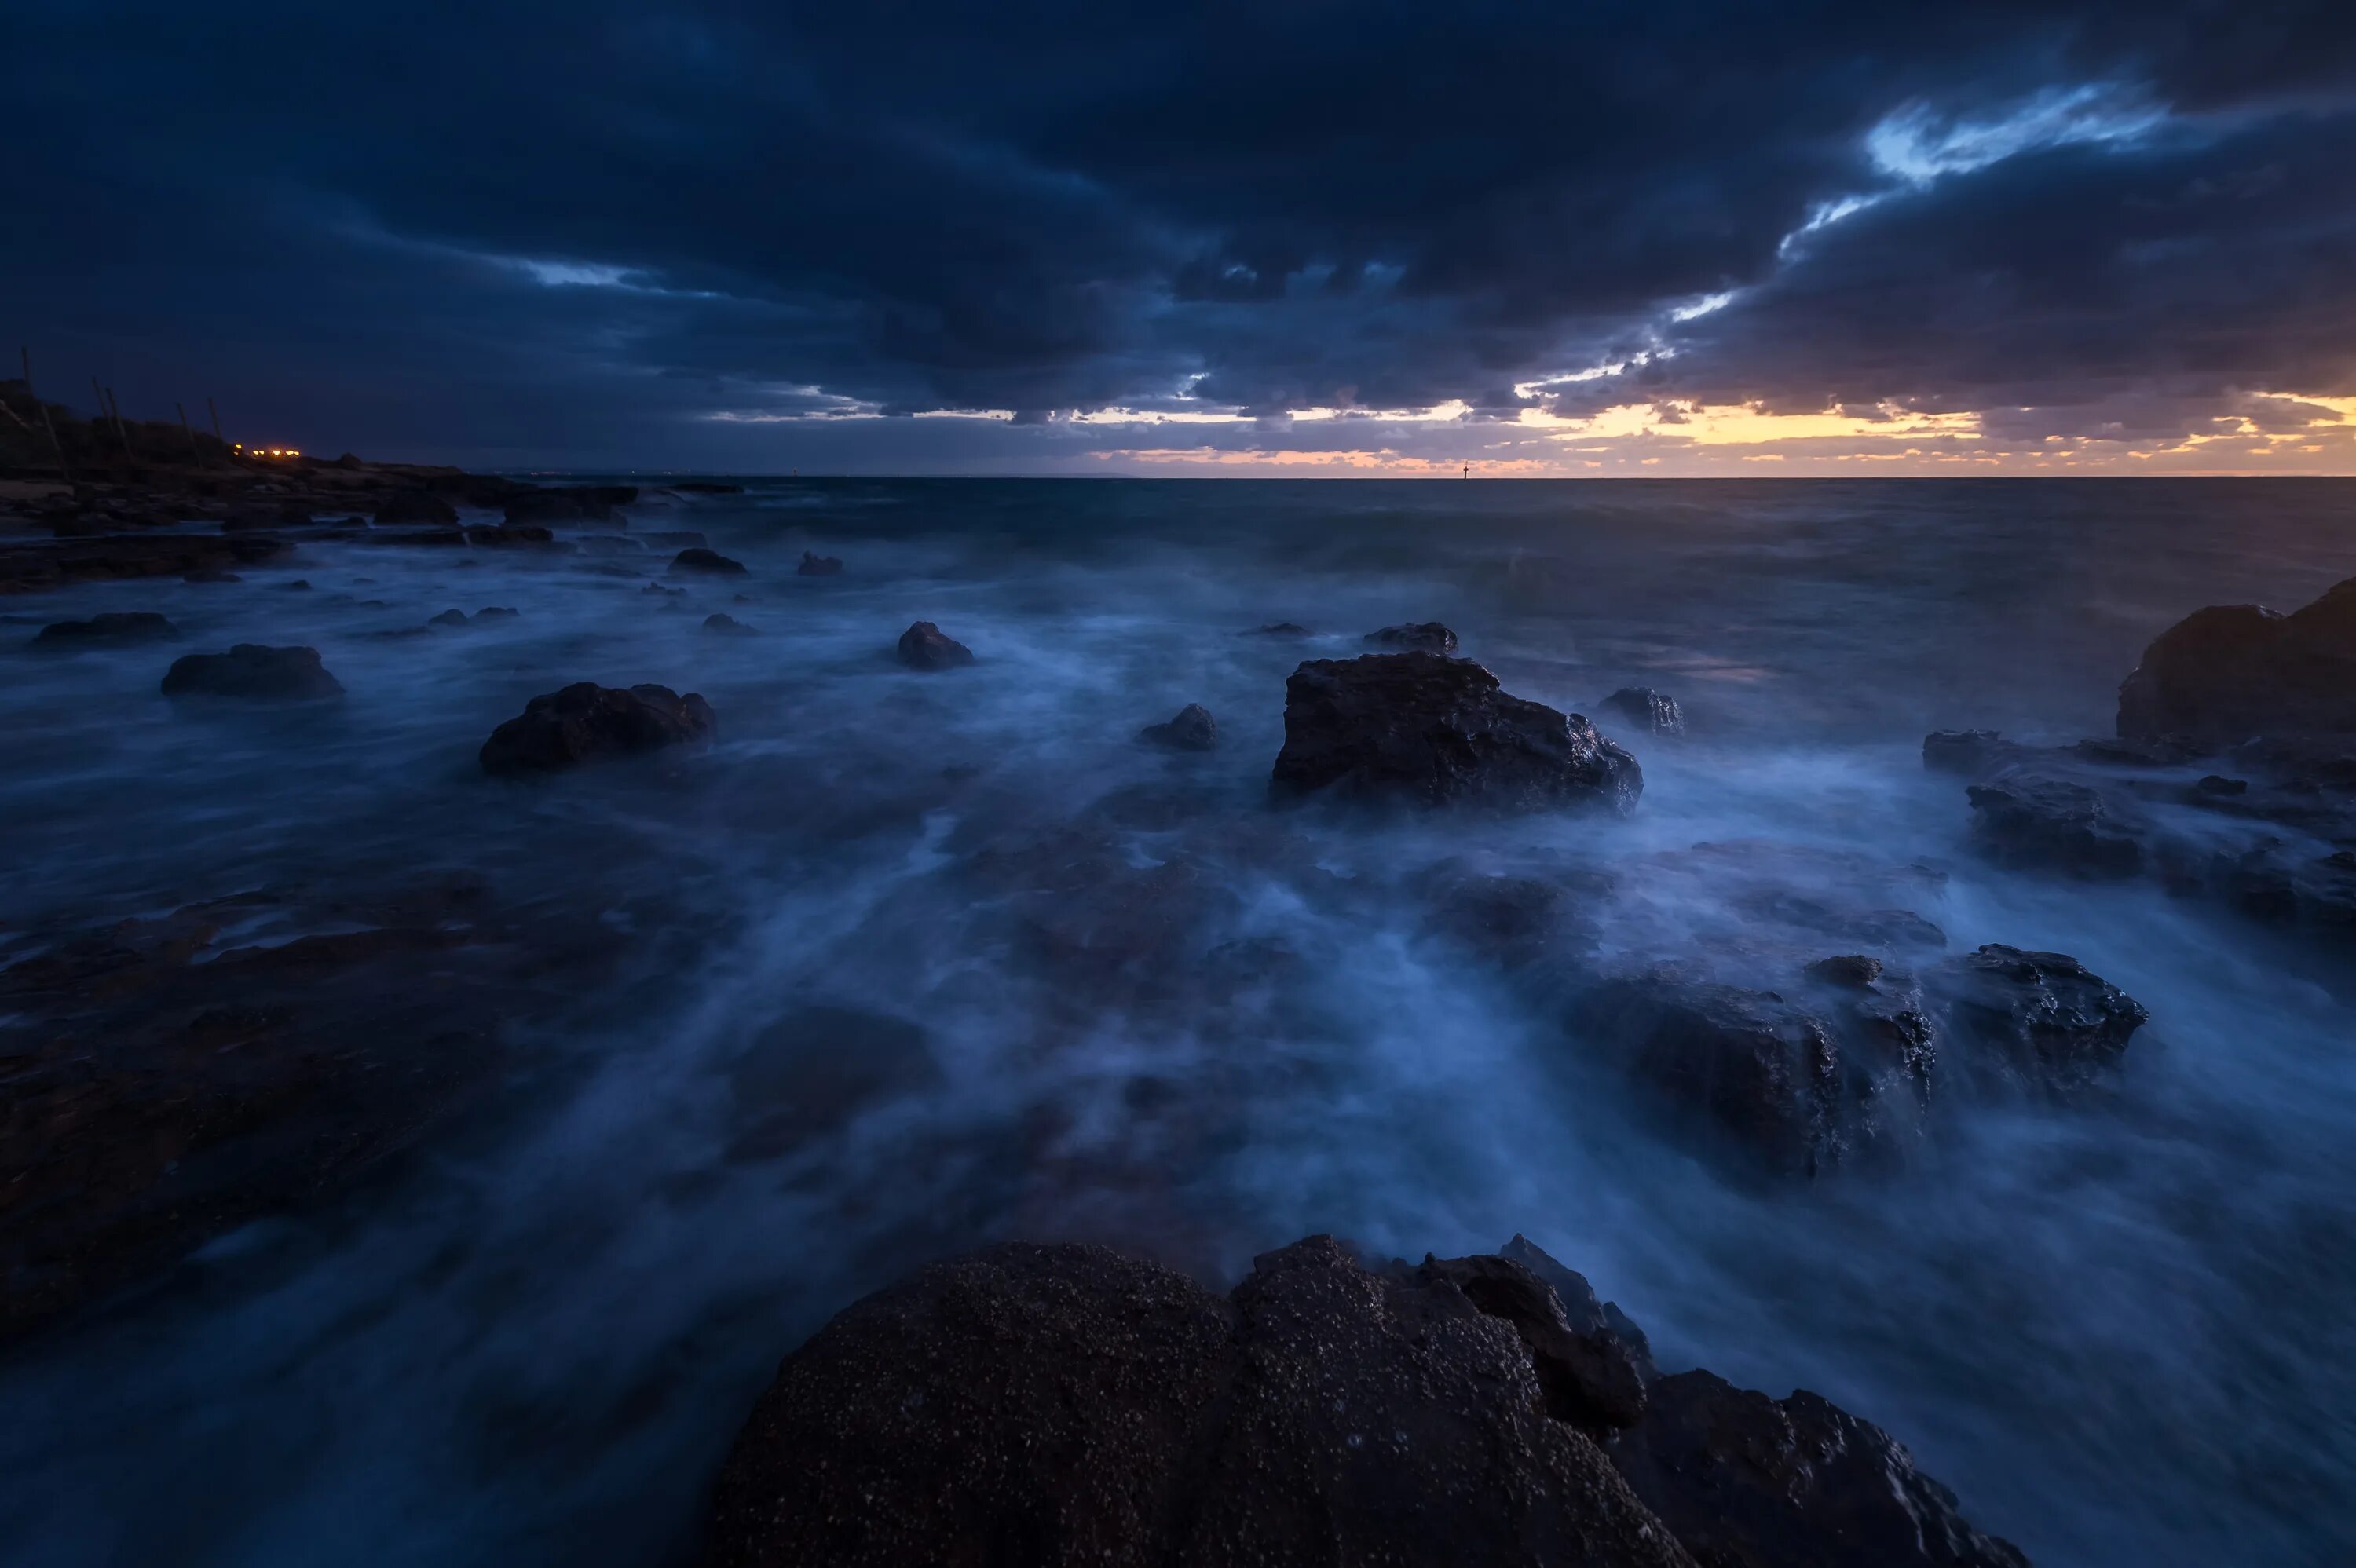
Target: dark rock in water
x: 1588, y: 1379
x: 251, y: 671
x: 2218, y: 785
x: 211, y: 574
x: 707, y: 487
x: 1193, y: 730
x: 1746, y: 1481
x: 1067, y: 1406
x: 1064, y: 1404
x: 497, y: 612
x: 1970, y: 753
x: 1852, y: 971
x: 1798, y: 1090
x: 1586, y: 1312
x: 114, y: 626
x: 666, y: 592
x: 2042, y: 1019
x: 675, y: 538
x: 286, y: 515
x: 2052, y: 825
x: 1423, y: 636
x: 2165, y: 753
x: 300, y: 585
x: 925, y: 647
x: 586, y: 723
x: 816, y: 565
x: 490, y: 535
x: 2232, y: 671
x: 570, y: 503
x: 1279, y: 629
x: 729, y: 624
x: 448, y: 618
x: 1428, y: 731
x: 404, y: 508
x: 1656, y: 711
x: 610, y: 544
x: 1542, y: 924
x: 708, y: 561
x: 31, y: 567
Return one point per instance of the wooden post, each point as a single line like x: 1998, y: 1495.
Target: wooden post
x: 194, y: 456
x: 58, y: 446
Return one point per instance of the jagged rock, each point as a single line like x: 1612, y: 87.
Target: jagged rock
x: 255, y: 672
x: 2039, y: 1020
x: 1658, y: 712
x: 586, y: 723
x: 114, y: 626
x: 2229, y: 672
x: 816, y: 565
x: 1428, y: 731
x: 1193, y: 730
x: 925, y: 647
x: 1586, y: 1312
x: 2052, y: 825
x: 405, y: 508
x: 726, y: 623
x: 1851, y: 971
x: 447, y: 618
x: 709, y: 562
x: 1792, y: 1089
x: 570, y: 503
x: 1425, y: 636
x: 1056, y: 1405
x: 1970, y: 753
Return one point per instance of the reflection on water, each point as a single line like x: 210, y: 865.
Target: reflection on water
x: 906, y: 963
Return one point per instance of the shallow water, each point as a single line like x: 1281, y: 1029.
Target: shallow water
x: 2123, y: 1332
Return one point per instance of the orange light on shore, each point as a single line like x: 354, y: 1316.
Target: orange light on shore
x: 239, y: 446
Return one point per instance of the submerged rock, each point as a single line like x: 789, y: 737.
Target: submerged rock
x: 816, y: 565
x: 570, y: 503
x: 253, y: 672
x: 1656, y: 711
x: 710, y: 563
x: 1193, y: 730
x: 2229, y: 672
x: 1064, y: 1404
x: 1425, y: 636
x: 728, y: 624
x: 1428, y: 731
x: 2042, y: 1020
x: 114, y: 627
x: 1279, y: 629
x: 927, y: 647
x: 586, y: 723
x: 2052, y: 825
x: 1968, y: 751
x: 404, y: 508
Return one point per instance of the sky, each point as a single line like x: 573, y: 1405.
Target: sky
x: 1300, y: 238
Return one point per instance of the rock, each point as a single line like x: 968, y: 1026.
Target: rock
x: 1193, y: 730
x: 1067, y: 1406
x: 570, y: 503
x: 1853, y: 971
x: 30, y: 567
x: 610, y: 544
x: 2042, y: 1021
x: 675, y: 538
x: 491, y: 536
x: 2218, y: 785
x: 1586, y: 1312
x: 925, y: 647
x: 2232, y: 671
x: 1746, y: 1481
x: 1057, y: 1405
x: 114, y: 626
x: 1658, y: 712
x: 706, y: 487
x: 211, y: 574
x: 708, y: 561
x: 253, y: 672
x: 1971, y: 753
x: 1428, y: 731
x: 815, y: 565
x: 2052, y: 825
x: 1279, y: 629
x: 405, y: 508
x: 448, y: 618
x: 1793, y: 1090
x: 300, y: 585
x: 1425, y: 636
x: 497, y: 612
x: 728, y: 623
x: 586, y: 723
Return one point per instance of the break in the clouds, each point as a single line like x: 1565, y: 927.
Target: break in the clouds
x: 1676, y: 238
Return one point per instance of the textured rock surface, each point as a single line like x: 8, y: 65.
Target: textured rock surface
x: 2043, y: 1019
x: 2052, y: 825
x: 927, y: 647
x: 1423, y: 636
x: 2232, y: 671
x: 1656, y: 711
x: 1193, y: 730
x: 1423, y: 729
x: 586, y: 723
x: 254, y: 672
x: 710, y: 562
x: 1064, y: 1405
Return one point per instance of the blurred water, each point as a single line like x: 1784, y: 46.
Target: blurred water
x: 2123, y: 1333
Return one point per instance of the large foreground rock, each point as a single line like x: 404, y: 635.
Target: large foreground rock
x: 253, y: 672
x: 1428, y: 731
x: 1067, y: 1406
x: 586, y: 723
x: 2233, y: 671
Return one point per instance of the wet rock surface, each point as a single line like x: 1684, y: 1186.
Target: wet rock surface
x: 927, y: 647
x: 706, y: 563
x: 2052, y: 825
x: 1424, y: 636
x: 253, y: 672
x: 586, y: 722
x: 1066, y: 1404
x: 2229, y: 672
x: 1421, y: 730
x: 1193, y: 730
x: 1656, y: 713
x: 2042, y: 1020
x: 113, y: 628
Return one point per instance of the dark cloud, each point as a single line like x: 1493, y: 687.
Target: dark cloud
x: 583, y: 232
